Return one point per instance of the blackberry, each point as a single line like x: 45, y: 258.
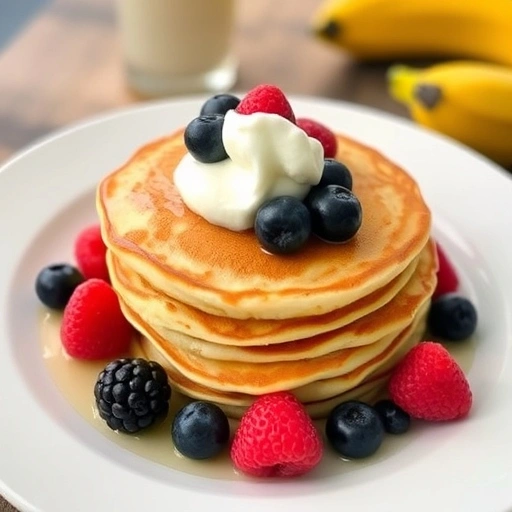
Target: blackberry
x: 131, y: 394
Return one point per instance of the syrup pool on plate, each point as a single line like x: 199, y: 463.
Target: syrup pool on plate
x: 75, y: 379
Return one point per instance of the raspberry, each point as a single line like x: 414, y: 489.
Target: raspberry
x: 268, y: 99
x: 447, y: 280
x: 90, y: 253
x: 276, y: 437
x: 321, y: 133
x: 428, y: 384
x: 93, y: 325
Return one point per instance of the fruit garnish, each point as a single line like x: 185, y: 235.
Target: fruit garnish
x: 395, y: 420
x: 447, y: 279
x: 90, y: 251
x: 428, y: 384
x: 93, y: 325
x: 219, y: 104
x: 200, y: 430
x: 268, y: 99
x: 354, y: 429
x: 452, y: 317
x: 336, y: 213
x: 335, y: 173
x: 56, y: 283
x: 276, y: 437
x: 203, y: 138
x: 282, y: 225
x: 132, y: 394
x: 321, y: 133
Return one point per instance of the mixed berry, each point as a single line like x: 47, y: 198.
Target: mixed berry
x: 276, y: 436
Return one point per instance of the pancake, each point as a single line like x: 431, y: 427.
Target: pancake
x: 168, y: 314
x: 391, y: 317
x: 365, y: 383
x: 147, y: 226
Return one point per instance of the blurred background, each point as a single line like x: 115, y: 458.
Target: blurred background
x: 61, y: 61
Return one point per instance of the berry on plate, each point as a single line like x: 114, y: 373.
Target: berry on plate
x: 90, y: 252
x: 395, y: 419
x: 354, y: 429
x: 276, y: 437
x: 56, y: 283
x: 452, y: 318
x: 200, y: 430
x: 219, y: 104
x: 282, y: 225
x: 93, y: 325
x: 203, y: 138
x: 447, y: 279
x: 321, y: 133
x: 267, y: 99
x: 336, y: 213
x: 131, y: 394
x: 428, y: 384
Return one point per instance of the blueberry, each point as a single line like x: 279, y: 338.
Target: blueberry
x: 336, y: 213
x: 282, y: 225
x: 200, y: 430
x: 452, y: 317
x: 394, y: 418
x: 203, y: 138
x: 56, y: 283
x: 220, y: 104
x: 335, y: 173
x: 354, y: 429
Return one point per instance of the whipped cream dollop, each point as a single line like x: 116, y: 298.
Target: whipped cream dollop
x: 268, y: 157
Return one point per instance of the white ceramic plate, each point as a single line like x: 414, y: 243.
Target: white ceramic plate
x: 51, y: 460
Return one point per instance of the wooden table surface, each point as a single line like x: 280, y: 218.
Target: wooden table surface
x: 62, y: 63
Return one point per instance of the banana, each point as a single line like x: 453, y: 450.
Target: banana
x: 398, y: 29
x: 468, y: 101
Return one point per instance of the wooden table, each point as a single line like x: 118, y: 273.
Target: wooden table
x: 64, y: 64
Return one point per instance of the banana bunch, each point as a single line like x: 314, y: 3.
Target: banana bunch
x: 398, y: 29
x: 468, y: 101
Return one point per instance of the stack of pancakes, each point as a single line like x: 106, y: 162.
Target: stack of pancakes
x: 229, y: 321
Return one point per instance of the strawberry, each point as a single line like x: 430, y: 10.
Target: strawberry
x: 428, y: 384
x: 276, y: 437
x: 321, y: 133
x: 90, y: 251
x: 447, y: 280
x: 93, y: 325
x: 268, y: 99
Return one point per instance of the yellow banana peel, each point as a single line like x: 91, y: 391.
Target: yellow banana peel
x: 468, y: 101
x: 399, y: 29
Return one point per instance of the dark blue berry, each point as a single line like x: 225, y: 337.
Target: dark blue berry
x: 336, y: 213
x: 394, y: 418
x: 200, y: 430
x: 203, y: 138
x: 132, y: 394
x: 282, y: 225
x: 56, y: 283
x: 354, y: 429
x: 335, y: 173
x: 452, y: 317
x: 219, y: 104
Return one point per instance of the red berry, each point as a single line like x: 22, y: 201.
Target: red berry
x: 93, y: 325
x: 268, y: 99
x: 276, y: 437
x: 428, y: 384
x: 90, y: 251
x: 447, y: 280
x: 321, y: 133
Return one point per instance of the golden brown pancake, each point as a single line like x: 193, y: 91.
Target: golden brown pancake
x: 147, y: 226
x: 166, y: 313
